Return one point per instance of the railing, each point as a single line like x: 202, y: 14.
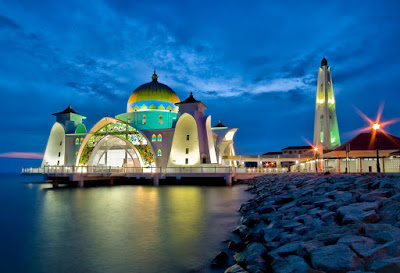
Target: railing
x: 147, y: 170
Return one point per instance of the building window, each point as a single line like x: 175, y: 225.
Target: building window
x: 153, y: 137
x: 58, y: 162
x: 290, y: 152
x: 144, y: 119
x: 60, y: 142
x: 59, y: 154
x: 159, y: 137
x: 187, y: 137
x: 159, y: 152
x: 76, y: 141
x: 129, y: 118
x: 187, y: 150
x: 186, y: 161
x: 80, y: 142
x: 160, y: 120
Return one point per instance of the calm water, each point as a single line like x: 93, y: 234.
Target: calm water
x: 113, y: 229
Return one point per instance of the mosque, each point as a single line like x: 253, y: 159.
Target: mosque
x: 157, y: 130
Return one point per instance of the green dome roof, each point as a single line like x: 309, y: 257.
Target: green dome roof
x: 153, y: 91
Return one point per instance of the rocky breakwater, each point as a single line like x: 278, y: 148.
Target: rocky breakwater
x: 312, y: 223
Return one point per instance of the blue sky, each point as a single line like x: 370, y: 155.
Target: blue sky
x: 253, y: 63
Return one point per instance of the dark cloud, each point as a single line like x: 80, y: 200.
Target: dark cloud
x: 8, y: 23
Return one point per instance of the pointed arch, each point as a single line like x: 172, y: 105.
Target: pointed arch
x: 110, y: 126
x: 185, y: 137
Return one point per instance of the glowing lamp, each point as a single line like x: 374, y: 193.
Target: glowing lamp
x: 376, y: 126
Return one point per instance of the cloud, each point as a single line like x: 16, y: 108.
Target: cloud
x: 22, y: 155
x: 8, y: 23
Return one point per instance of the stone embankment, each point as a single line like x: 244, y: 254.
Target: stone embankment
x: 312, y: 223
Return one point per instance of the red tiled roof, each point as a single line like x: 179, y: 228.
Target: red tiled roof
x: 366, y: 141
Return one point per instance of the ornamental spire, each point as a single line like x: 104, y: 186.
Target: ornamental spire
x: 154, y: 77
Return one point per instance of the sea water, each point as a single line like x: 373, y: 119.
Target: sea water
x: 115, y: 228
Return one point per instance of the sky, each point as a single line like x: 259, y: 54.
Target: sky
x: 254, y: 64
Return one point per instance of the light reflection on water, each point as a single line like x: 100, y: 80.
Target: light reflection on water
x: 125, y: 228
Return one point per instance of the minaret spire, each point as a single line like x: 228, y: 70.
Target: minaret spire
x: 326, y: 130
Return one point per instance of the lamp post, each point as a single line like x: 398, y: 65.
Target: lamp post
x: 376, y: 127
x: 315, y: 157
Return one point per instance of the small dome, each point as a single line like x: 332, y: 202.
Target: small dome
x: 153, y: 91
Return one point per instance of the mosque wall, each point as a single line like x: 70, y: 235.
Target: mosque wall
x: 55, y: 149
x: 185, y: 144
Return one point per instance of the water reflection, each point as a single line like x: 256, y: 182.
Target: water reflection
x: 132, y: 228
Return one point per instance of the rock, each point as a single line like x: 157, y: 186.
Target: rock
x: 343, y: 196
x: 232, y: 245
x: 335, y: 258
x: 251, y: 219
x: 271, y: 234
x: 382, y: 233
x: 241, y: 230
x: 331, y: 234
x: 291, y: 226
x: 390, y: 265
x: 291, y: 264
x: 375, y: 195
x: 289, y: 237
x: 285, y: 250
x: 267, y: 208
x: 363, y: 206
x: 235, y: 269
x: 283, y: 199
x: 221, y: 259
x: 305, y: 248
x: 251, y: 250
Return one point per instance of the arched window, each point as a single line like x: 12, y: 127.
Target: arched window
x: 159, y: 152
x: 144, y: 119
x: 160, y: 120
x: 77, y: 141
x: 153, y: 137
x: 129, y: 119
x: 159, y: 137
x: 76, y: 154
x: 80, y: 142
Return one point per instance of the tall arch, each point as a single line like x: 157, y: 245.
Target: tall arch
x: 117, y: 128
x: 185, y: 137
x: 55, y: 149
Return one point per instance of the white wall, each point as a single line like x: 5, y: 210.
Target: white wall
x: 55, y: 149
x: 186, y: 125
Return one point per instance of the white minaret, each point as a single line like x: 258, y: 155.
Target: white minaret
x: 326, y: 130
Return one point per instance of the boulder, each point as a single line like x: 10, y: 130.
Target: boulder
x: 241, y: 230
x: 290, y: 264
x: 249, y: 253
x: 389, y: 265
x: 235, y: 269
x: 305, y: 248
x: 285, y: 250
x: 375, y: 195
x: 335, y: 258
x: 221, y: 259
x: 271, y: 234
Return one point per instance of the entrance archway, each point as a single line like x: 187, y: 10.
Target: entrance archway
x: 113, y: 151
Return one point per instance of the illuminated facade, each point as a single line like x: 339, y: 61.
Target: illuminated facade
x: 158, y: 130
x: 326, y: 130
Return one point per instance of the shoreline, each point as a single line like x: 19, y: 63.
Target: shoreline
x: 316, y: 223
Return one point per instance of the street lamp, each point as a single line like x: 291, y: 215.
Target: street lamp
x: 376, y: 127
x: 315, y: 157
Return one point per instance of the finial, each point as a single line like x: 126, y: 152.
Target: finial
x: 154, y: 77
x: 219, y: 121
x: 324, y: 62
x: 69, y: 106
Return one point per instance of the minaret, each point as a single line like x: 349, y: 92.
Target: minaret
x: 326, y: 131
